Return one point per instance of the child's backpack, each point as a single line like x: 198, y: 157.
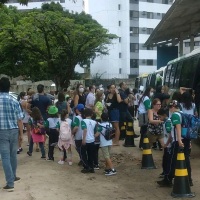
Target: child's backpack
x: 36, y: 129
x: 65, y: 131
x: 189, y: 126
x: 109, y: 132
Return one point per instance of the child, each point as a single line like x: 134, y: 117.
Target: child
x: 167, y: 128
x: 52, y: 124
x: 65, y: 138
x: 88, y: 148
x: 37, y: 131
x: 97, y: 144
x: 77, y: 130
x: 106, y: 145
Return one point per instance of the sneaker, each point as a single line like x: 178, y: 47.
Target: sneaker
x: 70, y: 163
x: 8, y: 188
x: 162, y: 175
x: 106, y: 170
x: 61, y: 162
x: 43, y: 157
x: 164, y: 183
x: 91, y: 171
x: 17, y: 179
x: 84, y: 171
x: 30, y: 154
x: 50, y: 159
x: 19, y: 150
x: 111, y: 172
x: 96, y: 167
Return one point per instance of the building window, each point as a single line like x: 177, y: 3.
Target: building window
x: 134, y: 30
x: 149, y: 48
x: 197, y: 43
x: 62, y: 1
x: 134, y: 1
x: 134, y: 14
x: 134, y: 63
x: 150, y: 1
x: 158, y: 14
x: 165, y: 1
x: 149, y: 30
x: 119, y: 6
x: 120, y: 39
x: 134, y: 47
x: 187, y: 44
x: 120, y: 55
x: 119, y: 23
x: 120, y: 70
x: 149, y: 15
x: 149, y: 62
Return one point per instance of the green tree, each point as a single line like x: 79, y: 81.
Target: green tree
x: 51, y: 43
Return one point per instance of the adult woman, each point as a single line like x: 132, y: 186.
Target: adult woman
x: 155, y: 127
x: 144, y: 106
x: 112, y: 101
x: 79, y: 97
x: 26, y: 110
x: 186, y: 104
x: 98, y: 106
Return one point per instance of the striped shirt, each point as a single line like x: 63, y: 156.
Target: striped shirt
x: 10, y: 112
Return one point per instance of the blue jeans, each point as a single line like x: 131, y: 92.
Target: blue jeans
x: 41, y: 145
x: 8, y: 150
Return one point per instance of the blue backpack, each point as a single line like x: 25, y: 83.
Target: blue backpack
x: 190, y: 126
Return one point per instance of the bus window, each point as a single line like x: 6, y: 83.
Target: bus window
x: 172, y: 76
x: 188, y: 72
x: 167, y: 75
x: 153, y: 81
x: 177, y: 75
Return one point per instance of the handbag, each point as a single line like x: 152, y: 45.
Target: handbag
x: 143, y: 119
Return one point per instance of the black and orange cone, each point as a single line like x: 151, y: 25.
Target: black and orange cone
x: 181, y: 186
x: 129, y: 139
x: 147, y: 158
x: 122, y: 126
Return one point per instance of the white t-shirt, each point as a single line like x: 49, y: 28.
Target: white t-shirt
x: 190, y: 111
x: 142, y: 108
x: 90, y: 125
x: 137, y: 97
x: 77, y: 123
x: 53, y: 122
x: 90, y: 100
x: 103, y: 141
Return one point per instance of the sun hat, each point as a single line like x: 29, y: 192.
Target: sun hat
x: 79, y: 107
x: 52, y: 110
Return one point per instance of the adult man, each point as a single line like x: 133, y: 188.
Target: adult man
x: 125, y: 115
x: 41, y: 101
x: 90, y: 100
x: 11, y: 129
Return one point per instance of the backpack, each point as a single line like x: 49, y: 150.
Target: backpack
x: 189, y: 126
x: 65, y: 131
x: 109, y: 132
x: 36, y: 129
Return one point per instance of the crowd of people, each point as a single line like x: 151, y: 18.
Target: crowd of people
x: 81, y: 118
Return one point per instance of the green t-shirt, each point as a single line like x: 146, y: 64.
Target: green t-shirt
x: 76, y: 122
x: 176, y: 118
x: 147, y: 104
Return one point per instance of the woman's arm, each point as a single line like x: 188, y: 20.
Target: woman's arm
x: 76, y: 98
x: 178, y: 130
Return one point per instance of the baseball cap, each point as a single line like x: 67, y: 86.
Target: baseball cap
x: 79, y: 107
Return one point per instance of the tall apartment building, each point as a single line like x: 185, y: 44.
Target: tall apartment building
x: 132, y: 21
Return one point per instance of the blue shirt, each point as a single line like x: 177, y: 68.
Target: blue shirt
x: 10, y: 112
x: 42, y: 102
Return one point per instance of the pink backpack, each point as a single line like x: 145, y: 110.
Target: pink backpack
x: 65, y: 131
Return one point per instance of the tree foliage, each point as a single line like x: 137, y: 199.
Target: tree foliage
x: 49, y: 43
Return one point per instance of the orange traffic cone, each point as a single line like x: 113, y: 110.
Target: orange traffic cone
x: 129, y: 139
x: 181, y: 186
x: 147, y: 158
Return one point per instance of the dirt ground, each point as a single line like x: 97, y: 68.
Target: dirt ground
x: 42, y: 180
